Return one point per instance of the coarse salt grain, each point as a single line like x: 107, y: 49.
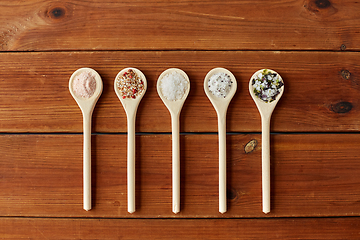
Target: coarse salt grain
x: 173, y: 86
x: 84, y: 85
x: 219, y: 84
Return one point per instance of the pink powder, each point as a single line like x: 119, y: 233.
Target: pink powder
x: 84, y: 85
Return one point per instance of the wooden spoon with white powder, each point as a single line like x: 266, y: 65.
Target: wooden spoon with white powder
x: 173, y: 87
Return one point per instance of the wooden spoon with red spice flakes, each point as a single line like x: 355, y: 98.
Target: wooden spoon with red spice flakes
x: 130, y: 86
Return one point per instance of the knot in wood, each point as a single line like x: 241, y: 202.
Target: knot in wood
x: 231, y: 194
x: 319, y: 9
x: 345, y: 74
x: 57, y: 12
x: 322, y: 4
x: 341, y: 107
x: 250, y: 146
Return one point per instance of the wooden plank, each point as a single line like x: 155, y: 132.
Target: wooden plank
x: 299, y: 228
x: 312, y: 175
x: 321, y: 91
x: 187, y: 25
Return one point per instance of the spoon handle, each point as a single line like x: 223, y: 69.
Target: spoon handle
x: 222, y: 162
x: 175, y: 163
x: 87, y: 162
x: 265, y: 125
x: 131, y: 162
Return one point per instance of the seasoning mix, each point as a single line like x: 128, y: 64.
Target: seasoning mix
x: 267, y: 85
x: 219, y: 84
x: 130, y: 84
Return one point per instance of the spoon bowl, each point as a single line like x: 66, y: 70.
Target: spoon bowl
x: 130, y: 106
x: 266, y: 109
x: 174, y: 108
x: 221, y: 105
x: 87, y: 106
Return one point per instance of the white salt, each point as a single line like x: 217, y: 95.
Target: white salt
x: 84, y: 85
x: 219, y: 84
x: 173, y: 86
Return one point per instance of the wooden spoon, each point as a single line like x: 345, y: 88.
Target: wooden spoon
x: 130, y: 106
x: 221, y: 105
x: 265, y: 109
x: 174, y: 109
x: 87, y: 106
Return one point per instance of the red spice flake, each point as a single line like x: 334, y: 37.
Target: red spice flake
x: 130, y: 84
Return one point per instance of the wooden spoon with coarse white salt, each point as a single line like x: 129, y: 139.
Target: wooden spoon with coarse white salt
x: 173, y: 87
x: 86, y: 86
x: 130, y: 86
x: 220, y: 86
x: 266, y: 88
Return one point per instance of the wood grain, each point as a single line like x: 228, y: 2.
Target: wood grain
x: 321, y: 91
x: 312, y: 175
x: 298, y: 228
x: 313, y: 44
x: 43, y: 25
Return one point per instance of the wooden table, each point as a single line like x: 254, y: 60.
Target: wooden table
x: 315, y: 156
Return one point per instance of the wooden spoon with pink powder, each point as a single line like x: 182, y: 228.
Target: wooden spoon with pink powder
x: 86, y: 86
